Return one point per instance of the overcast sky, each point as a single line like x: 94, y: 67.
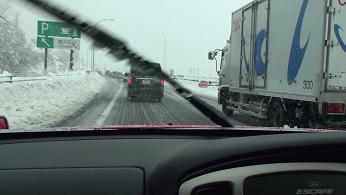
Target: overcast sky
x: 191, y: 28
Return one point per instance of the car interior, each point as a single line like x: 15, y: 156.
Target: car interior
x: 172, y: 162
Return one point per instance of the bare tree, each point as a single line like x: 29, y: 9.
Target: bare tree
x: 16, y: 20
x: 5, y: 6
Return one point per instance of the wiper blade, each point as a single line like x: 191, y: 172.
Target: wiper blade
x: 121, y: 52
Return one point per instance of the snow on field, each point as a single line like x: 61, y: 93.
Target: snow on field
x: 44, y: 103
x: 193, y: 86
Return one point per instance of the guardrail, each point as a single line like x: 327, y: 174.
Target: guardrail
x: 5, y: 79
x: 213, y: 83
x: 10, y: 79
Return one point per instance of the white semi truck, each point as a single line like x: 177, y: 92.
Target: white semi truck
x: 285, y: 61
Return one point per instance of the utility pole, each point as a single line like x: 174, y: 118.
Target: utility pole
x: 93, y: 59
x: 81, y: 64
x: 100, y: 66
x: 86, y: 60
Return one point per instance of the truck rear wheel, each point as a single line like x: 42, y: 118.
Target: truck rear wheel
x: 310, y: 117
x: 277, y: 114
x: 226, y: 110
x: 130, y: 98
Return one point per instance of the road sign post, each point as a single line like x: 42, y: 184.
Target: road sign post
x: 45, y: 61
x: 71, y: 59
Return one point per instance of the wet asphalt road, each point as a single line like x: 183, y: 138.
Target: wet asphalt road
x: 112, y: 108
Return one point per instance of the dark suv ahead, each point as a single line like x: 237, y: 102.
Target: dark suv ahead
x: 143, y: 84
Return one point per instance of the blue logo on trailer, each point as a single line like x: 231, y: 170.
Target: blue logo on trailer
x: 297, y: 53
x: 247, y: 65
x: 337, y: 29
x: 260, y: 66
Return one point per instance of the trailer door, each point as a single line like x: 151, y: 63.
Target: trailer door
x: 260, y: 44
x: 246, y: 45
x: 337, y: 48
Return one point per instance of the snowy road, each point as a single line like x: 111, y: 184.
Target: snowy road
x: 91, y: 114
x: 112, y: 108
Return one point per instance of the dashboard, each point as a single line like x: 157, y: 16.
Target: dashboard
x: 271, y: 179
x: 173, y: 162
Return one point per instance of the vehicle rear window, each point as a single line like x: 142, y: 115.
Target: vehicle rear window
x: 144, y: 73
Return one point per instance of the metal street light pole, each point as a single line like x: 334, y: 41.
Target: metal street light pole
x: 93, y: 54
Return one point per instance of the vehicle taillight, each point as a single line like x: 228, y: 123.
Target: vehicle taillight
x: 129, y: 81
x: 162, y: 82
x: 3, y: 123
x: 335, y: 108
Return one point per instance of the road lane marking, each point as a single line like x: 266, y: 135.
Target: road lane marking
x: 102, y: 118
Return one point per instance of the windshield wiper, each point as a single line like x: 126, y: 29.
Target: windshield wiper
x: 121, y: 52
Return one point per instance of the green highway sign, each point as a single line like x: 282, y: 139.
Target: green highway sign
x: 45, y: 42
x: 57, y: 29
x: 57, y: 35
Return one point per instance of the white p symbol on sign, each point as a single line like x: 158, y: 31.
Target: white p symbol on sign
x: 44, y: 27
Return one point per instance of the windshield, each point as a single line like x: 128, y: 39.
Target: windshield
x: 239, y: 61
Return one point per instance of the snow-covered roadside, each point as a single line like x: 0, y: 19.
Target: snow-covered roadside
x: 5, y: 76
x: 47, y: 102
x: 193, y: 86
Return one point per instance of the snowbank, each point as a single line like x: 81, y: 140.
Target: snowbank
x: 5, y: 74
x: 193, y: 86
x: 45, y: 103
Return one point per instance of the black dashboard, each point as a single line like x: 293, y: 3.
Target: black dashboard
x: 172, y: 162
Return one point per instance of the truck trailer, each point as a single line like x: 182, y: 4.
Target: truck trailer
x: 285, y: 61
